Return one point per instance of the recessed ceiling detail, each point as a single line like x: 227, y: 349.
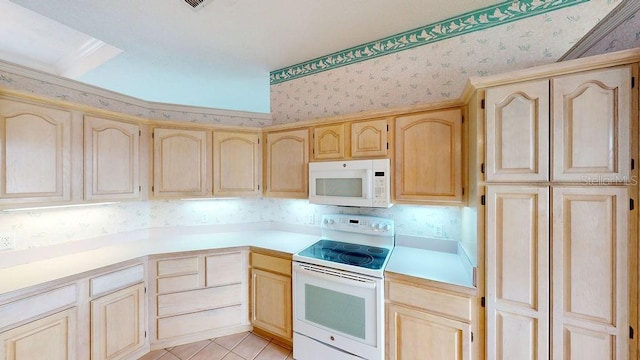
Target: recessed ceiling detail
x: 502, y: 13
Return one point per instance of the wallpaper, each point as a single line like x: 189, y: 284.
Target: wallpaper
x: 436, y: 71
x: 625, y: 36
x: 36, y: 228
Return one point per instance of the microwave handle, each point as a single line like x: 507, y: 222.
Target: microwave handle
x: 366, y: 192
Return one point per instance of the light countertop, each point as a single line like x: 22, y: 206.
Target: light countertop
x: 427, y: 264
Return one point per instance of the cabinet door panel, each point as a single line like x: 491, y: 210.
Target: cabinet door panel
x: 236, y: 164
x: 420, y: 335
x: 288, y: 164
x: 111, y: 151
x: 118, y: 323
x: 50, y: 338
x: 590, y: 274
x: 181, y: 163
x: 36, y: 153
x: 592, y: 126
x: 428, y: 165
x: 271, y: 303
x: 223, y: 269
x: 369, y: 138
x: 517, y: 129
x: 328, y: 142
x: 517, y: 272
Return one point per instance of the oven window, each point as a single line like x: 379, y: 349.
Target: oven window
x: 335, y: 310
x: 351, y: 187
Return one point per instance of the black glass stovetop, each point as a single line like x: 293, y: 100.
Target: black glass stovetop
x: 365, y: 256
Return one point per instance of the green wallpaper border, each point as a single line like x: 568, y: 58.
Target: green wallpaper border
x: 499, y: 14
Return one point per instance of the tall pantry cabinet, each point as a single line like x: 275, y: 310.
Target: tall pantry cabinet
x: 560, y: 233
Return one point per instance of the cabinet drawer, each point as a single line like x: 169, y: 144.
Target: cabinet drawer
x: 201, y: 321
x: 27, y: 308
x: 198, y: 300
x: 117, y: 280
x: 225, y: 269
x: 182, y: 266
x: 178, y: 283
x: 434, y: 301
x: 271, y: 263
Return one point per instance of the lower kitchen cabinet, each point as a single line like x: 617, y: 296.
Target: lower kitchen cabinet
x: 271, y: 295
x: 118, y: 324
x: 199, y: 297
x: 425, y: 322
x: 52, y: 338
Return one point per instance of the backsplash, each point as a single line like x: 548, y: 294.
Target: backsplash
x: 36, y: 228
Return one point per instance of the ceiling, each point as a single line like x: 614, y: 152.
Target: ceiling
x: 217, y: 56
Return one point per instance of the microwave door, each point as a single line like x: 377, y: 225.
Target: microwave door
x: 349, y: 188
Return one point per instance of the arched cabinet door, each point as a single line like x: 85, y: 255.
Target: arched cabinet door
x: 369, y: 138
x: 236, y: 164
x: 35, y: 153
x: 287, y: 173
x: 111, y: 161
x: 328, y: 142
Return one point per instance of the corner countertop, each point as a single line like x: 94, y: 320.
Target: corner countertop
x: 72, y: 261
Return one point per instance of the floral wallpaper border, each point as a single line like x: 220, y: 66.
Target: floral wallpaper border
x: 481, y: 19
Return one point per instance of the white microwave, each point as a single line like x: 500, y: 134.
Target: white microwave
x: 364, y: 183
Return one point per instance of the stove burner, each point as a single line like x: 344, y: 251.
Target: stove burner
x: 350, y: 246
x: 375, y: 250
x: 354, y: 258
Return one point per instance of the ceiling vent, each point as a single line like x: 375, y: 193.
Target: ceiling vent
x: 197, y: 4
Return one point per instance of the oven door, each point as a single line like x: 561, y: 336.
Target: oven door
x: 337, y: 308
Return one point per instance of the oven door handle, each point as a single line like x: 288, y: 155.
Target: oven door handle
x: 362, y: 283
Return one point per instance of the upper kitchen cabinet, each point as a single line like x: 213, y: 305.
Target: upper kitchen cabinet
x: 181, y: 163
x: 287, y: 164
x: 35, y: 148
x: 517, y: 129
x: 591, y: 119
x: 236, y: 164
x: 588, y: 116
x: 428, y: 157
x: 369, y: 138
x: 111, y: 161
x: 328, y: 142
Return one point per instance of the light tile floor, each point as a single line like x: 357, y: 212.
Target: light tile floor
x: 242, y: 346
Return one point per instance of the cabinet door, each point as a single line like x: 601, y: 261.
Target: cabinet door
x: 50, y: 338
x: 288, y: 164
x: 414, y: 334
x: 111, y: 159
x: 592, y: 126
x: 517, y: 273
x: 35, y: 153
x: 236, y: 164
x: 589, y: 273
x: 181, y: 165
x: 428, y: 164
x: 369, y: 138
x: 118, y: 324
x: 271, y: 303
x: 328, y: 142
x: 517, y: 131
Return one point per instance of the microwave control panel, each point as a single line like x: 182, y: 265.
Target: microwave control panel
x: 380, y: 190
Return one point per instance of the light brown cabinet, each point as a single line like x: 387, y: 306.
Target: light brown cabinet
x: 271, y: 300
x: 329, y: 142
x: 118, y: 324
x: 357, y: 139
x: 369, y: 138
x: 181, y: 163
x: 589, y: 121
x: 428, y: 157
x: 424, y: 322
x: 287, y: 164
x: 236, y: 164
x: 54, y: 335
x: 111, y: 159
x: 36, y: 153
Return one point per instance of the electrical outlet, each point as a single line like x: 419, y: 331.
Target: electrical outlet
x: 311, y: 219
x: 437, y: 230
x: 7, y: 241
x: 204, y: 218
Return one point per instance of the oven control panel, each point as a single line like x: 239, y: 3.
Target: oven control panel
x: 358, y: 224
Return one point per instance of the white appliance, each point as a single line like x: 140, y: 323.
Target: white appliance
x: 365, y: 183
x: 338, y: 290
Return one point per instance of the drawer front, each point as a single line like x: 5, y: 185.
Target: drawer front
x: 179, y: 283
x: 431, y: 300
x: 201, y: 321
x: 198, y: 300
x: 117, y: 280
x: 33, y: 306
x: 226, y: 268
x: 271, y: 263
x: 172, y: 267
